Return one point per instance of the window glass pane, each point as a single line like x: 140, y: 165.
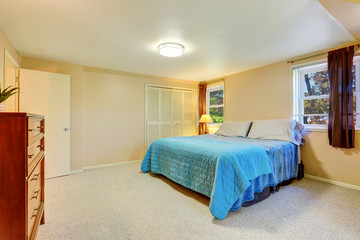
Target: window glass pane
x: 354, y: 98
x: 316, y: 83
x: 354, y: 78
x: 311, y: 85
x: 217, y: 114
x: 217, y: 97
x: 316, y: 120
x: 316, y: 106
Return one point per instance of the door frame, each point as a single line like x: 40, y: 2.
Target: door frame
x: 147, y: 85
x: 9, y: 58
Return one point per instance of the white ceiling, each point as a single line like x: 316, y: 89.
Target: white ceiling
x: 220, y: 37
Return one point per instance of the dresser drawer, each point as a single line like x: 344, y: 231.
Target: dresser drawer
x: 33, y: 180
x: 33, y: 163
x: 33, y: 150
x: 34, y: 207
x: 35, y: 126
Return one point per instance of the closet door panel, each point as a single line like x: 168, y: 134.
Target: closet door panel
x: 177, y: 97
x: 153, y: 119
x: 177, y: 105
x: 189, y: 108
x: 152, y: 134
x: 166, y: 131
x: 189, y: 113
x: 165, y: 112
x: 153, y: 104
x: 177, y: 130
x: 165, y: 105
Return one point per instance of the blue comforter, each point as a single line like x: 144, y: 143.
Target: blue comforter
x: 228, y: 170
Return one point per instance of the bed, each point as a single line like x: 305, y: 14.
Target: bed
x: 230, y: 170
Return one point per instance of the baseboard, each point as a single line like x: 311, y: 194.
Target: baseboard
x: 76, y: 171
x: 102, y: 166
x: 332, y: 182
x: 109, y: 164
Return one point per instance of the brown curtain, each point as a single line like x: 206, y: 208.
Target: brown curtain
x: 202, y: 106
x: 341, y: 128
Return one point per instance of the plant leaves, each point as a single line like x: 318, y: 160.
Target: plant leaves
x: 7, y: 92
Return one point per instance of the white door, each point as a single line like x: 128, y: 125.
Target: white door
x: 48, y: 94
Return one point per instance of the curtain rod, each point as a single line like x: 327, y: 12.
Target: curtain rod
x: 317, y: 55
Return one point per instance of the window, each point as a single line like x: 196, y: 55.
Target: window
x: 311, y: 93
x: 215, y: 103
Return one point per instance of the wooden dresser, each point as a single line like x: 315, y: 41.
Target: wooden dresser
x: 21, y: 175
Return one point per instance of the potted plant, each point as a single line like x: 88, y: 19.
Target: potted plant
x: 5, y: 94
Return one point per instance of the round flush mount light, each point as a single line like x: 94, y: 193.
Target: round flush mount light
x: 170, y: 49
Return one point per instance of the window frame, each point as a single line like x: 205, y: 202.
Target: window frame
x: 298, y: 96
x: 213, y: 88
x: 357, y: 88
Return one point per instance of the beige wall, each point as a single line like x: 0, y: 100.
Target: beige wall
x: 5, y: 44
x: 107, y: 111
x: 262, y: 93
x: 265, y: 93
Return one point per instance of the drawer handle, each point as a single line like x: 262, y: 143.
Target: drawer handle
x: 31, y: 155
x: 37, y: 194
x: 34, y: 129
x: 36, y: 177
x: 36, y: 210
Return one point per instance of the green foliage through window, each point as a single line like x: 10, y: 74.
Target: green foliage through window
x: 316, y: 106
x: 217, y: 97
x: 217, y: 114
x: 216, y: 103
x: 317, y: 83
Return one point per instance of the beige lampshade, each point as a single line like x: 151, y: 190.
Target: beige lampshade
x: 205, y: 119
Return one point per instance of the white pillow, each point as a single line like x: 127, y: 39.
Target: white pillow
x: 277, y: 129
x: 234, y: 128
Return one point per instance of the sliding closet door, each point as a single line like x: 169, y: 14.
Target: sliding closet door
x: 169, y: 113
x: 159, y: 123
x: 188, y: 124
x: 165, y: 112
x: 152, y: 113
x: 177, y: 100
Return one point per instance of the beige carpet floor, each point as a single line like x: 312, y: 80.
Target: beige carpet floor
x: 122, y: 203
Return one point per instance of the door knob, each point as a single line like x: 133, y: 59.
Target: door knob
x: 66, y: 129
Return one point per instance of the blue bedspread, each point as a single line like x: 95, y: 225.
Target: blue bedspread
x: 229, y: 170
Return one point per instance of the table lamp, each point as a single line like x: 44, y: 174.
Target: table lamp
x: 205, y: 119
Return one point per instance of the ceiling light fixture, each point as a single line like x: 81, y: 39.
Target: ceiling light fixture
x: 170, y: 49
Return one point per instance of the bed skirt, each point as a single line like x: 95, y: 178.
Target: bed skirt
x: 258, y: 197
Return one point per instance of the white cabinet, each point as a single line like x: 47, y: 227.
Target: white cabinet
x: 169, y: 112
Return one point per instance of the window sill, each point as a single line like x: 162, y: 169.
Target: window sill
x: 320, y: 129
x: 315, y: 129
x: 214, y: 124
